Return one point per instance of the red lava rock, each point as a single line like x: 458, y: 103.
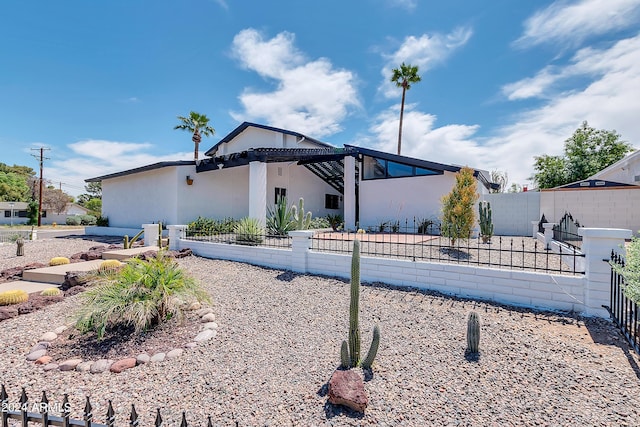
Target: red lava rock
x: 123, y: 364
x: 11, y: 272
x: 34, y: 265
x: 74, y: 291
x: 36, y: 302
x: 44, y: 360
x: 347, y: 388
x: 8, y: 312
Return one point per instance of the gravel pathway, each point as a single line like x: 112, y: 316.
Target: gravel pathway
x: 279, y: 342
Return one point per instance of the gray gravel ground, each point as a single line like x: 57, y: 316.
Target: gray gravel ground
x: 279, y: 342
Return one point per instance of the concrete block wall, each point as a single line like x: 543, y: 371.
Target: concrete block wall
x: 513, y: 212
x: 584, y: 294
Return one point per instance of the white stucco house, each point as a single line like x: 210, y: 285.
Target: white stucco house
x: 49, y: 216
x: 625, y: 170
x: 247, y: 170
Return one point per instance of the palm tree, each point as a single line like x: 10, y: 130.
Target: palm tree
x: 197, y: 124
x: 403, y: 77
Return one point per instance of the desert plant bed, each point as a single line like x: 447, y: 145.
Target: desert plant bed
x: 279, y: 343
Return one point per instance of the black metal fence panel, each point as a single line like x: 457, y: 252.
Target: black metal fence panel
x: 623, y: 310
x: 567, y: 231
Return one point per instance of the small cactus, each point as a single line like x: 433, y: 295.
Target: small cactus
x: 51, y: 292
x: 302, y: 220
x: 344, y: 355
x: 473, y: 333
x: 373, y: 350
x: 15, y: 296
x: 20, y: 247
x: 59, y: 260
x: 486, y: 222
x: 109, y: 264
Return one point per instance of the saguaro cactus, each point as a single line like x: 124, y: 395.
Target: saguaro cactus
x: 350, y: 351
x: 486, y: 223
x: 473, y: 333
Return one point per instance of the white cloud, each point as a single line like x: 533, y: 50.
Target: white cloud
x: 310, y: 96
x: 607, y: 101
x: 426, y: 51
x: 570, y: 23
x: 223, y: 4
x: 405, y: 4
x: 92, y: 158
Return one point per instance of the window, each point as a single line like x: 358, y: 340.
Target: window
x: 374, y: 168
x: 280, y: 193
x: 22, y: 214
x: 7, y: 214
x: 44, y: 214
x: 331, y: 201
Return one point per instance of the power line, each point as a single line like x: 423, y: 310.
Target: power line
x: 42, y: 159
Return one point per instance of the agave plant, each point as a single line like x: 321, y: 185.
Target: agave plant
x: 249, y: 231
x: 280, y: 218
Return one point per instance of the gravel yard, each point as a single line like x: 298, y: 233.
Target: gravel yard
x: 279, y: 342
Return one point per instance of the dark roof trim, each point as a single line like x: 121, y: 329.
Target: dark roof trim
x: 593, y: 183
x: 158, y: 165
x: 237, y: 131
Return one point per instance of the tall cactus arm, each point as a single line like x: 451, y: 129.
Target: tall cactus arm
x: 373, y: 350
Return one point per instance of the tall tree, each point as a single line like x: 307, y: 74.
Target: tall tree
x: 198, y: 125
x: 403, y: 77
x: 55, y: 199
x: 586, y: 152
x: 94, y: 189
x: 501, y: 178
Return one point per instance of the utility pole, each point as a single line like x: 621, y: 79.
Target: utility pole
x: 42, y: 159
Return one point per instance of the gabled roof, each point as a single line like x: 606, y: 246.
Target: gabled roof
x: 158, y: 165
x: 592, y: 183
x: 619, y: 164
x: 237, y: 131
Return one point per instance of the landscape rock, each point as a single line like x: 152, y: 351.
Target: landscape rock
x: 69, y: 365
x: 211, y: 325
x: 99, y: 366
x: 143, y: 358
x: 74, y: 278
x: 84, y: 366
x: 49, y: 336
x: 194, y: 306
x: 59, y: 329
x: 8, y: 313
x: 34, y: 265
x: 203, y: 311
x: 91, y: 255
x: 50, y: 367
x: 190, y: 345
x: 182, y: 253
x: 36, y: 355
x: 44, y: 360
x: 36, y: 302
x: 347, y: 388
x: 209, y: 317
x: 123, y: 364
x: 12, y: 273
x: 158, y: 357
x: 74, y: 291
x: 176, y: 352
x: 205, y: 335
x: 41, y: 345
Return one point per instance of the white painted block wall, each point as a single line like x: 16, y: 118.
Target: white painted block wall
x: 513, y: 212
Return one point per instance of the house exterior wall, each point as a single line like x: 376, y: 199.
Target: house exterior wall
x: 141, y: 198
x: 253, y: 137
x: 403, y: 198
x: 626, y: 171
x: 595, y: 207
x: 512, y: 213
x: 300, y: 182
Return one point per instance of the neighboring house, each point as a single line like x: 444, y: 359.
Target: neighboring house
x: 48, y: 216
x: 250, y: 168
x: 626, y: 170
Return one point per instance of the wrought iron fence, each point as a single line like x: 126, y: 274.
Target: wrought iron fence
x: 522, y: 253
x: 41, y: 413
x: 623, y: 310
x: 257, y: 239
x: 7, y: 236
x: 567, y: 231
x: 543, y: 220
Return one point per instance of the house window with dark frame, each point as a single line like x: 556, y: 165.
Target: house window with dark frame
x: 281, y: 193
x: 331, y: 201
x: 22, y: 214
x: 376, y: 168
x: 44, y: 214
x: 7, y: 214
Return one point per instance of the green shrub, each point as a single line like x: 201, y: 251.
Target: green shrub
x: 88, y: 220
x: 209, y: 226
x: 319, y: 222
x: 141, y: 295
x: 73, y: 220
x: 280, y: 218
x: 631, y: 271
x: 335, y: 221
x: 249, y: 231
x: 102, y: 221
x: 458, y: 216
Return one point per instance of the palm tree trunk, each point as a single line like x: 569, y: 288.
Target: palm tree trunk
x: 196, y: 141
x: 404, y: 91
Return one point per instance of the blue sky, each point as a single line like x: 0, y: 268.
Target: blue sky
x: 101, y: 83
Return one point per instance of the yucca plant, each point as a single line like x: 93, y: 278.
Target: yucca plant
x: 249, y: 231
x: 280, y: 218
x: 141, y: 294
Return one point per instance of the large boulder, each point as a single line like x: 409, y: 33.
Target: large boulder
x: 347, y: 388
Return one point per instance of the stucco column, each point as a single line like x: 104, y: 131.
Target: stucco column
x: 300, y: 247
x: 34, y: 234
x: 258, y: 191
x: 176, y: 232
x: 597, y: 244
x: 548, y: 232
x: 150, y: 234
x: 534, y: 229
x: 349, y: 198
